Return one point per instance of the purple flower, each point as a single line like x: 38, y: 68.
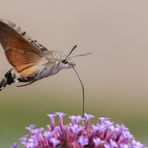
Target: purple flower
x: 78, y: 134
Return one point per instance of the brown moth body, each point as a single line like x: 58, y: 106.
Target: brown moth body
x: 30, y: 60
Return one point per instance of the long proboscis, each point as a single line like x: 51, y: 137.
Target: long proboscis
x: 83, y: 92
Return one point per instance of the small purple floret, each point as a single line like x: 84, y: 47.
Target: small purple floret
x: 76, y: 119
x: 31, y: 128
x: 52, y: 120
x: 14, y: 146
x: 83, y: 140
x: 78, y: 134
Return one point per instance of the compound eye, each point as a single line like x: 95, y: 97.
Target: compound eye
x: 64, y: 61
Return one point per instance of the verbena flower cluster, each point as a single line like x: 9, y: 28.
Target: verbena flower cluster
x: 79, y: 133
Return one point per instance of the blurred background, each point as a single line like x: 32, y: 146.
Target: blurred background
x: 115, y: 75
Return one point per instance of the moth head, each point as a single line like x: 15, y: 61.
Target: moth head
x: 67, y: 63
x: 63, y: 61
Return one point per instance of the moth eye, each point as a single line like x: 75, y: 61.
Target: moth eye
x: 64, y: 61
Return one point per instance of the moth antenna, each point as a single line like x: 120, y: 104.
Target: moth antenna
x: 71, y: 51
x: 83, y: 92
x: 80, y: 55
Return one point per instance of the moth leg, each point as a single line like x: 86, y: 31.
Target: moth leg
x: 9, y: 78
x: 25, y: 84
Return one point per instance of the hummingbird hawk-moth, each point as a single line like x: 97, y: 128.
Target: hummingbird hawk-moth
x: 30, y: 60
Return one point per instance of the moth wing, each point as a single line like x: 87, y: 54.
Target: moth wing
x: 25, y: 62
x: 23, y: 55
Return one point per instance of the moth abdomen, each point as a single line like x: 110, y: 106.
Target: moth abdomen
x: 8, y: 79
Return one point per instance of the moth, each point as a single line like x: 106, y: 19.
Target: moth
x: 30, y: 60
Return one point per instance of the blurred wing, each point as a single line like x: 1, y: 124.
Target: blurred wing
x: 22, y: 52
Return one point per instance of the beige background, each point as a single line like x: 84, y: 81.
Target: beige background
x: 115, y: 75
